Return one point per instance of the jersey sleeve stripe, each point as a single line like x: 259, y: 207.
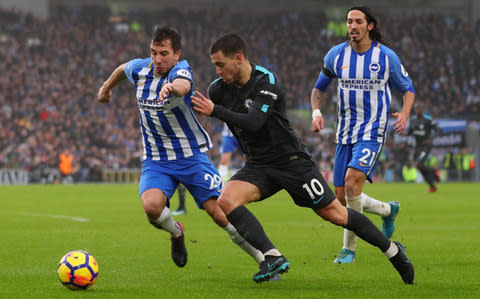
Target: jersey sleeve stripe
x: 271, y: 77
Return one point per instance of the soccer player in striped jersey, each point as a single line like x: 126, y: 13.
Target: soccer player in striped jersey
x: 365, y: 70
x: 174, y: 141
x: 251, y: 100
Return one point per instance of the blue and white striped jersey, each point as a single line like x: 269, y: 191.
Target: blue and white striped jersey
x: 364, y: 82
x: 170, y: 129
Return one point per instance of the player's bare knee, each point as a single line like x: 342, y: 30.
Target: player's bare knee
x: 335, y: 213
x: 339, y: 216
x: 224, y: 204
x: 153, y: 202
x: 338, y: 220
x: 214, y: 215
x: 215, y: 212
x: 152, y: 208
x: 351, y: 187
x: 227, y: 201
x: 219, y: 218
x: 152, y: 211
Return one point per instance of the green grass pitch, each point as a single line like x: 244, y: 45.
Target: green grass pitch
x: 39, y: 224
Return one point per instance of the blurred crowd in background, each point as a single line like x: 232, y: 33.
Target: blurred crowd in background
x: 52, y: 69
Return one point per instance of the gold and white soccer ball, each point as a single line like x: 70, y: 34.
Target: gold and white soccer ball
x: 77, y: 270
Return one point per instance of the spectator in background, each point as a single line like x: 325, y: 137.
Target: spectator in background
x: 66, y: 166
x: 409, y: 172
x: 468, y: 164
x: 49, y: 59
x: 451, y: 162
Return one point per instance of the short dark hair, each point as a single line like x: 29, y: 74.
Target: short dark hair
x: 230, y: 44
x: 375, y: 33
x: 161, y: 33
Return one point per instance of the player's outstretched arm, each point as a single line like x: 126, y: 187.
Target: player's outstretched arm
x: 179, y: 87
x: 316, y: 99
x: 251, y: 121
x: 105, y: 92
x: 400, y: 124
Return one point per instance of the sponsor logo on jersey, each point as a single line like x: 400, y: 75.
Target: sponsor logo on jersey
x: 419, y: 132
x: 315, y: 202
x: 269, y: 93
x: 152, y: 104
x: 247, y: 103
x: 362, y: 84
x: 184, y: 73
x: 374, y: 67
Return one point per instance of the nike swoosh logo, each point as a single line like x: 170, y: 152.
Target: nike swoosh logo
x: 363, y: 165
x: 272, y: 266
x: 318, y: 200
x: 344, y: 67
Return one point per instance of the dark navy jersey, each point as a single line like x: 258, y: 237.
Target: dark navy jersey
x: 256, y: 115
x: 422, y: 128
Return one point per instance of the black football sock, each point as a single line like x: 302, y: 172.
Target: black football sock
x: 428, y: 174
x: 250, y: 228
x: 181, y: 197
x: 365, y: 229
x: 431, y: 177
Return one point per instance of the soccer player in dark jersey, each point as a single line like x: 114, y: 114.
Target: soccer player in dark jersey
x: 251, y: 100
x: 423, y: 128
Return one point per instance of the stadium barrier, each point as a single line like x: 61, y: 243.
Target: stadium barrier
x: 18, y: 176
x: 9, y: 176
x: 130, y: 175
x: 14, y: 176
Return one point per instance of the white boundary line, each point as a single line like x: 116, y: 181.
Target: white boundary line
x: 74, y: 218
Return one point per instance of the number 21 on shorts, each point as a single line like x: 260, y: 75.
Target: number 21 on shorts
x: 367, y: 158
